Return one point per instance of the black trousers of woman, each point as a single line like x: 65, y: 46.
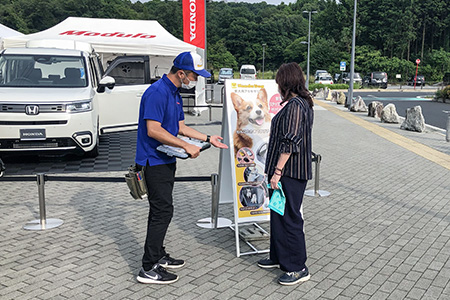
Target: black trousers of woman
x: 287, y: 238
x: 160, y: 180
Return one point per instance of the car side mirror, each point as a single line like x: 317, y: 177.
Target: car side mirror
x: 106, y: 82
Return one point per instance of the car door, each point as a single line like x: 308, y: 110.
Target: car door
x: 119, y: 107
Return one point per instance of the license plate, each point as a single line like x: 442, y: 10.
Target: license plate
x: 32, y: 134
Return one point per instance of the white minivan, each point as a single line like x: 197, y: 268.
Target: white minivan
x: 61, y: 100
x: 248, y: 72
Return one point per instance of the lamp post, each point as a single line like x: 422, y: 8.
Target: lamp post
x: 309, y: 45
x: 264, y: 47
x: 352, y: 62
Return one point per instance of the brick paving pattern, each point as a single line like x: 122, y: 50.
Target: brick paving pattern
x: 383, y: 233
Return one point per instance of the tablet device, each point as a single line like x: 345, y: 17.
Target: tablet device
x: 179, y: 152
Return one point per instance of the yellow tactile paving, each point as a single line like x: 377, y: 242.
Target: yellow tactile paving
x: 435, y: 156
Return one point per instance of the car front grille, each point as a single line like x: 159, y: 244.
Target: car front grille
x: 43, y: 108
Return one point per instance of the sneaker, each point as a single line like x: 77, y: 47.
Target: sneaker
x: 267, y: 263
x: 171, y: 263
x: 157, y: 275
x: 291, y: 278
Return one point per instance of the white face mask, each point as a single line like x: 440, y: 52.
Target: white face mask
x: 190, y: 85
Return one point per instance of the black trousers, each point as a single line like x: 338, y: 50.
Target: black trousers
x: 287, y: 238
x: 160, y: 180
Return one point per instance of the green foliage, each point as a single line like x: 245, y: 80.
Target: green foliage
x: 220, y: 57
x: 391, y: 34
x: 443, y: 94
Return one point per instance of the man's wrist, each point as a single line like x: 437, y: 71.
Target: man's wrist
x: 208, y: 138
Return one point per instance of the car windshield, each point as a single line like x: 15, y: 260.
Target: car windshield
x: 325, y: 78
x: 42, y: 71
x: 248, y: 71
x: 226, y: 72
x: 379, y: 75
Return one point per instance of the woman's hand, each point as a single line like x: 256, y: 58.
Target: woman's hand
x: 274, y: 181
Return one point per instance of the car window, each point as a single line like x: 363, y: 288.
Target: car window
x: 379, y: 75
x: 226, y: 72
x: 248, y: 71
x: 42, y: 71
x: 128, y: 73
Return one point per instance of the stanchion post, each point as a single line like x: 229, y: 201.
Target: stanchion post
x: 210, y: 113
x: 43, y: 223
x: 214, y: 199
x: 214, y: 221
x: 316, y: 177
x: 41, y: 191
x: 317, y: 158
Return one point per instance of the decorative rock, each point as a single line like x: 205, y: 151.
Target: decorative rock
x: 334, y: 96
x: 341, y: 98
x: 358, y: 105
x: 320, y: 94
x: 389, y: 114
x: 328, y: 94
x: 414, y: 120
x: 375, y: 108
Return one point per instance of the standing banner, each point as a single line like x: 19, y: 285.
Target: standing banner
x: 194, y: 22
x: 250, y: 106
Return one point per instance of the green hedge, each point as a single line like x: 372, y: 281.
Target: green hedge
x: 313, y: 86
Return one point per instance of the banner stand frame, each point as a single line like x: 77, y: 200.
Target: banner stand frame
x: 235, y: 228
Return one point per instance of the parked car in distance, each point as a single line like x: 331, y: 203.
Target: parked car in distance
x: 337, y: 78
x: 248, y: 72
x: 324, y: 79
x: 356, y: 78
x: 318, y: 72
x: 419, y: 81
x: 376, y: 79
x: 225, y: 73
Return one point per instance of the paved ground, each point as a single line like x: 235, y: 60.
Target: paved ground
x: 383, y: 233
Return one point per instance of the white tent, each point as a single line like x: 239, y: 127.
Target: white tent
x: 114, y: 37
x: 111, y: 36
x: 7, y: 32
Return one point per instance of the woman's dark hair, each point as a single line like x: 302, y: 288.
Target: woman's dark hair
x: 291, y: 80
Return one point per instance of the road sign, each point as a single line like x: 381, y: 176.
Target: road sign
x: 417, y: 61
x: 342, y: 65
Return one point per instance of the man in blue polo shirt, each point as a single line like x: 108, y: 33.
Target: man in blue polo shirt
x: 161, y: 119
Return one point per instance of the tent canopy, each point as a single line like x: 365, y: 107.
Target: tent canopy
x: 7, y: 32
x: 111, y: 36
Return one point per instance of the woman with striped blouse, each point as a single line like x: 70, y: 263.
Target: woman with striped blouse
x: 289, y: 162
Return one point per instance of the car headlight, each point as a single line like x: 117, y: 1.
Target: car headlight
x: 81, y: 106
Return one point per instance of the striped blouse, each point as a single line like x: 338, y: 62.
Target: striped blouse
x: 290, y: 132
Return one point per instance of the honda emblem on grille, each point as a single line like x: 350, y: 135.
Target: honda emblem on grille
x: 32, y: 109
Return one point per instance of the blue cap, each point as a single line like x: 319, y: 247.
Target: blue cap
x: 191, y: 61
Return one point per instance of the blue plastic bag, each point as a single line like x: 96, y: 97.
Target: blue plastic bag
x: 278, y: 200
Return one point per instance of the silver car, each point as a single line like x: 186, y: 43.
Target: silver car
x: 225, y: 73
x: 356, y: 78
